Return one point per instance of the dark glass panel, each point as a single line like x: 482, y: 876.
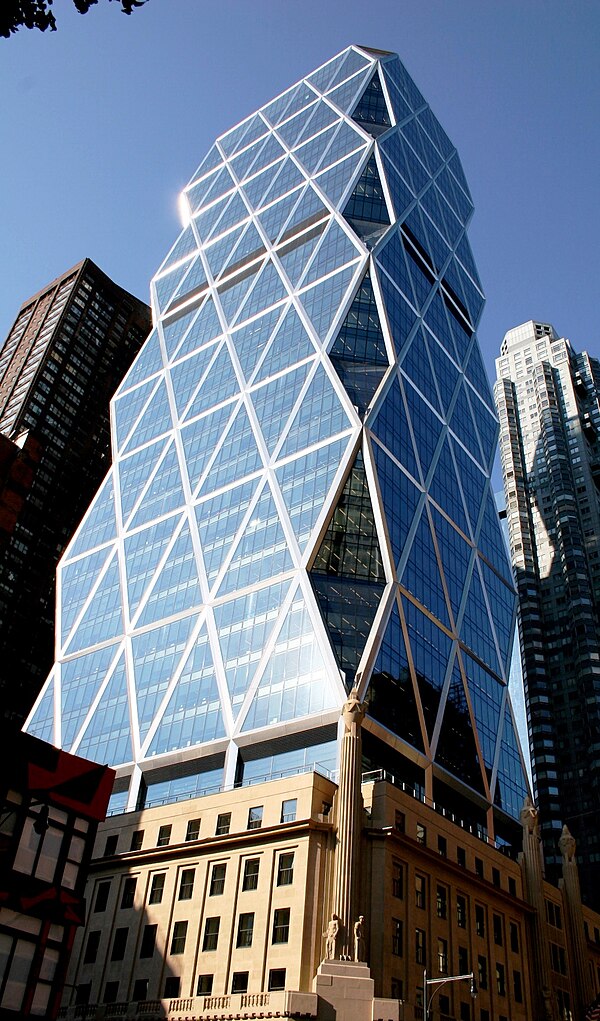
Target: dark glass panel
x: 456, y: 749
x: 421, y: 575
x: 366, y: 209
x: 475, y: 629
x: 444, y: 488
x: 463, y: 426
x: 486, y: 696
x: 491, y: 542
x: 430, y: 649
x: 511, y: 785
x: 392, y: 259
x: 502, y: 600
x: 455, y: 555
x: 476, y: 374
x: 400, y: 192
x: 401, y: 315
x: 391, y: 427
x: 390, y: 697
x: 417, y: 366
x: 426, y: 427
x: 399, y: 497
x: 371, y: 111
x: 349, y: 608
x: 358, y: 352
x: 472, y: 481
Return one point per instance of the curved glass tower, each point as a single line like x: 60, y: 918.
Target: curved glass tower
x: 300, y: 496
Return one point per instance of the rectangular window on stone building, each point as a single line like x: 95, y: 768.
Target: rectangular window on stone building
x: 285, y: 869
x: 399, y: 821
x: 172, y: 986
x: 497, y: 923
x: 205, y: 985
x: 164, y: 835
x: 157, y: 888
x: 496, y: 877
x: 128, y: 894
x: 255, y: 817
x: 461, y: 857
x: 397, y: 880
x: 517, y: 987
x: 137, y: 839
x: 514, y: 937
x: 288, y: 810
x: 186, y: 886
x: 245, y: 929
x: 83, y: 993
x: 251, y: 870
x: 110, y: 846
x: 140, y: 990
x: 281, y: 925
x: 397, y: 941
x: 442, y: 846
x: 148, y: 941
x: 211, y: 934
x: 178, y: 938
x: 479, y: 920
x: 482, y: 972
x: 553, y: 914
x: 193, y: 829
x: 442, y: 956
x: 91, y: 948
x: 102, y: 893
x: 111, y: 992
x: 500, y: 980
x: 420, y: 946
x: 119, y: 944
x: 276, y: 979
x: 397, y: 989
x: 239, y: 982
x: 465, y: 1011
x: 463, y: 961
x: 479, y: 867
x: 461, y: 912
x: 442, y: 902
x: 217, y: 880
x: 421, y: 834
x: 223, y: 824
x: 420, y: 891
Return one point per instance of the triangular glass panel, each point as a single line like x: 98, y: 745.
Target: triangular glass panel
x: 99, y: 525
x: 491, y: 541
x: 249, y: 248
x: 273, y: 402
x: 335, y: 250
x: 273, y: 219
x: 200, y: 439
x: 475, y: 628
x: 233, y: 211
x: 76, y: 582
x: 156, y: 655
x: 219, y: 384
x: 464, y: 253
x: 126, y: 409
x: 175, y: 328
x: 107, y: 736
x: 487, y: 427
x: 460, y: 332
x: 511, y: 784
x: 421, y: 574
x: 305, y: 483
x: 102, y: 620
x: 212, y: 159
x: 295, y: 256
x: 444, y: 487
x: 358, y: 353
x: 391, y: 427
x: 250, y: 341
x: 165, y: 287
x: 445, y: 372
x: 262, y: 551
x: 417, y: 366
x: 258, y: 157
x: 347, y: 140
x: 322, y: 302
x: 219, y: 253
x: 350, y: 547
x: 426, y: 427
x: 193, y: 712
x: 296, y: 681
x: 400, y: 103
x: 399, y: 497
x: 288, y: 178
x: 348, y: 607
x: 244, y: 627
x: 501, y: 599
x: 187, y: 375
x: 177, y: 587
x: 463, y: 426
x: 399, y: 190
x: 322, y: 117
x: 391, y: 697
x: 366, y: 209
x: 134, y: 473
x: 209, y: 188
x: 401, y: 315
x: 155, y: 420
x: 194, y: 282
x: 268, y: 290
x: 432, y: 652
x: 243, y: 134
x: 321, y: 78
x: 292, y: 129
x: 392, y: 259
x: 41, y: 723
x: 353, y: 62
x: 165, y: 492
x: 473, y: 482
x: 344, y: 96
x: 238, y: 455
x: 231, y: 294
x: 147, y: 363
x: 420, y: 274
x: 335, y: 181
x: 143, y: 552
x: 218, y: 521
x: 476, y: 374
x: 309, y: 210
x: 371, y: 111
x: 486, y: 695
x: 456, y: 749
x: 436, y: 132
x: 311, y: 153
x: 320, y: 416
x: 80, y: 681
x: 204, y: 329
x: 279, y: 108
x: 455, y: 555
x: 290, y: 344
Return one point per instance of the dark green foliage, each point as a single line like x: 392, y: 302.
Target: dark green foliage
x: 16, y: 14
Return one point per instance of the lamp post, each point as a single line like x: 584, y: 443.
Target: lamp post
x: 439, y: 982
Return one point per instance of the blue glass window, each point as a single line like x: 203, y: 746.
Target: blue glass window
x: 421, y: 574
x: 371, y: 111
x: 295, y: 256
x: 432, y: 655
x: 155, y: 657
x: 475, y: 628
x: 350, y: 547
x: 262, y: 552
x: 335, y: 181
x: 358, y: 353
x: 77, y: 581
x: 250, y: 341
x: 42, y: 722
x: 290, y: 344
x: 176, y: 588
x: 319, y: 417
x: 273, y: 402
x: 147, y: 363
x: 444, y: 487
x: 219, y: 384
x: 98, y: 526
x: 417, y: 366
x: 344, y: 96
x: 156, y: 419
x: 238, y: 455
x: 456, y: 749
x: 107, y: 736
x: 164, y: 493
x: 390, y: 696
x: 391, y: 427
x: 186, y: 376
x: 348, y: 607
x: 102, y: 619
x: 455, y: 555
x: 426, y: 427
x: 186, y: 244
x: 134, y: 473
x: 219, y: 520
x: 335, y: 250
x: 511, y: 785
x: 486, y: 696
x: 200, y: 439
x: 143, y: 551
x: 400, y: 498
x: 80, y: 681
x: 305, y: 483
x: 367, y: 206
x: 322, y: 302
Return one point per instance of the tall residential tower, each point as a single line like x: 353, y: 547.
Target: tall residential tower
x: 300, y: 498
x: 67, y: 351
x: 548, y: 401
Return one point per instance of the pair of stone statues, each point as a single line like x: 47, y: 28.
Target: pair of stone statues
x: 332, y: 933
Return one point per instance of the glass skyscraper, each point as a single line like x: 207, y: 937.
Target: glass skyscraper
x: 300, y: 497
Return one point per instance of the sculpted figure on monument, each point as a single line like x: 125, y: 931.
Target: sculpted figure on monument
x: 331, y: 935
x: 529, y: 815
x: 359, y: 939
x: 353, y: 710
x: 567, y: 844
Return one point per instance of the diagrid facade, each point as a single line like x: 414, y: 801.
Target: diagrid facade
x: 300, y: 498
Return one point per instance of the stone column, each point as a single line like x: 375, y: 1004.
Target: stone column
x: 533, y: 881
x: 581, y: 986
x: 349, y: 826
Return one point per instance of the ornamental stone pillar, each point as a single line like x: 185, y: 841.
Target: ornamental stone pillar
x: 349, y: 826
x: 581, y: 986
x: 533, y: 882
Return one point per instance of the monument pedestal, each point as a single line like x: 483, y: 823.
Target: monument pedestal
x: 345, y: 992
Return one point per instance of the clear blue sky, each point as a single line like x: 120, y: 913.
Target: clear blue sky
x: 105, y: 120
